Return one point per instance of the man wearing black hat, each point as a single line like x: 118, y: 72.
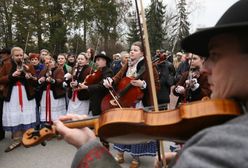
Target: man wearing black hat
x: 226, y: 48
x: 4, y: 56
x: 97, y: 91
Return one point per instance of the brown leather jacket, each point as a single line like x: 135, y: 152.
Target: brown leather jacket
x: 57, y: 87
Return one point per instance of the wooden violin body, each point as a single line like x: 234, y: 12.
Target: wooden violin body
x: 131, y: 126
x: 93, y: 78
x: 127, y: 95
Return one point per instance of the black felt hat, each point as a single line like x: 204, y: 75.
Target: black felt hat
x: 103, y: 56
x: 233, y: 20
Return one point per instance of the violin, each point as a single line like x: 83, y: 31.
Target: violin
x: 131, y: 126
x: 20, y: 66
x: 126, y: 95
x: 93, y: 78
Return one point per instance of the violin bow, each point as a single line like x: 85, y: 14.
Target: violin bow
x: 146, y: 46
x: 26, y: 44
x: 150, y: 68
x: 189, y: 77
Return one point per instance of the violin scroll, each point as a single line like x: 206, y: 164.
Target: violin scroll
x: 39, y: 135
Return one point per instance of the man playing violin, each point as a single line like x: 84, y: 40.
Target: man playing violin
x: 79, y: 99
x: 226, y: 145
x: 19, y: 91
x: 96, y: 90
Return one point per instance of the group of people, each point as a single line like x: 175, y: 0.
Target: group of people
x: 214, y: 67
x: 224, y: 48
x: 40, y: 89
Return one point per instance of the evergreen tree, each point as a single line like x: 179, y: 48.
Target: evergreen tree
x: 51, y: 24
x: 155, y: 15
x: 6, y: 22
x: 76, y: 44
x: 180, y: 26
x: 134, y: 33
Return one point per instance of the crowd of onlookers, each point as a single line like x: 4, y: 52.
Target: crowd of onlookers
x: 41, y: 87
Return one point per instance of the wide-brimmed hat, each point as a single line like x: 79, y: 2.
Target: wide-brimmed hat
x: 103, y: 56
x: 233, y: 20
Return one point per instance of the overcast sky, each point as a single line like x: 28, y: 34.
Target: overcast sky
x: 204, y: 13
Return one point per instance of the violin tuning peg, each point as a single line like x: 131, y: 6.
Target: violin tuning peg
x: 43, y: 143
x: 47, y: 125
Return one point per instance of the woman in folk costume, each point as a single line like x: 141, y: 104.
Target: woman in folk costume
x: 61, y: 61
x: 79, y: 99
x: 193, y: 84
x: 38, y: 66
x: 132, y: 69
x: 52, y: 103
x: 19, y: 103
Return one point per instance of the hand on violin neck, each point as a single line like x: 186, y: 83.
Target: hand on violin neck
x: 76, y: 137
x: 73, y: 117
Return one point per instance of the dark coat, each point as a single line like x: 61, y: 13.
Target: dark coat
x: 182, y: 68
x: 98, y: 91
x: 198, y: 94
x: 80, y: 76
x: 147, y: 99
x: 116, y: 66
x: 166, y: 72
x: 9, y: 81
x: 57, y: 87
